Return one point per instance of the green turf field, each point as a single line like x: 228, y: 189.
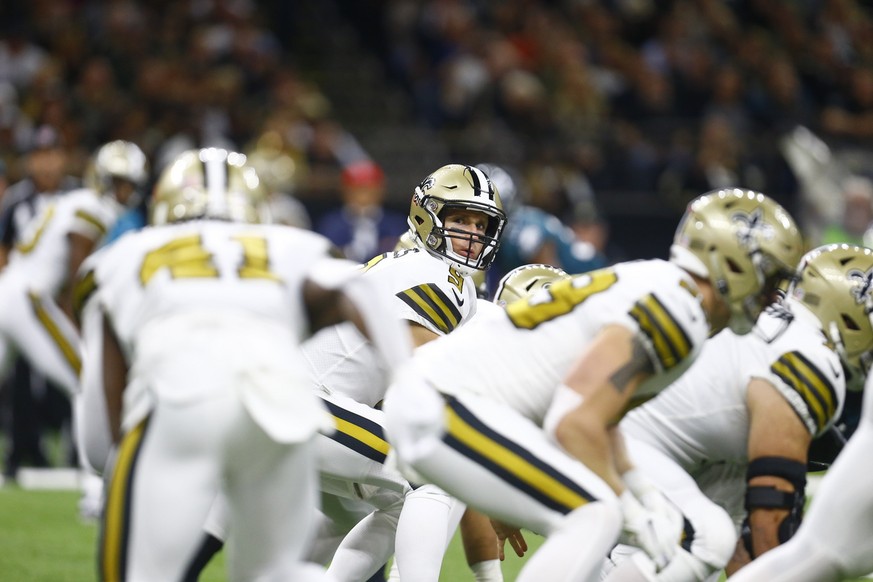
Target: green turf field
x: 43, y: 540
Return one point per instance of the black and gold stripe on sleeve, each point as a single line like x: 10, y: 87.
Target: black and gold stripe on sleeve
x: 668, y: 338
x: 432, y: 304
x: 811, y: 385
x: 511, y: 462
x: 358, y: 433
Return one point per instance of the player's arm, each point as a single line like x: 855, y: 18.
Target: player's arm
x: 114, y: 378
x: 332, y: 297
x: 778, y: 445
x: 602, y: 383
x: 103, y: 378
x: 420, y: 335
x: 81, y: 247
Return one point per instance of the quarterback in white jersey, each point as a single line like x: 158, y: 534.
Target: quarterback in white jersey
x: 455, y: 221
x: 191, y: 335
x: 517, y: 419
x: 39, y: 273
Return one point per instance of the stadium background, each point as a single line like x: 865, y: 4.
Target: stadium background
x: 614, y: 113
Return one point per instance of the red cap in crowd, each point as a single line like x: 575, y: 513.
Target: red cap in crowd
x: 363, y: 173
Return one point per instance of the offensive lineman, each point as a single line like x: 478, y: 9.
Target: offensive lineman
x: 192, y: 330
x: 835, y: 540
x: 507, y: 436
x: 747, y: 409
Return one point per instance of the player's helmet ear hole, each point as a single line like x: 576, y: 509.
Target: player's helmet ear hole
x: 733, y: 266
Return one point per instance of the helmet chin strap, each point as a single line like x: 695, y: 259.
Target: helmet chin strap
x: 461, y: 263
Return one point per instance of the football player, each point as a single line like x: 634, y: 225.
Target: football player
x: 741, y: 420
x: 518, y: 418
x: 191, y: 330
x: 455, y: 225
x: 422, y: 537
x: 835, y: 540
x: 45, y: 259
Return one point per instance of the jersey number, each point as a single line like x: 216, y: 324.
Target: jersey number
x: 186, y: 258
x: 561, y: 298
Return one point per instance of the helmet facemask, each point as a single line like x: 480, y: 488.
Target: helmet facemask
x: 745, y: 309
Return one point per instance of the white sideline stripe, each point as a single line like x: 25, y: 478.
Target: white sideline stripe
x: 61, y: 479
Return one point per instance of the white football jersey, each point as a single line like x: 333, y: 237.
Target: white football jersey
x: 175, y: 294
x: 41, y: 257
x: 520, y: 357
x: 426, y: 291
x: 702, y: 420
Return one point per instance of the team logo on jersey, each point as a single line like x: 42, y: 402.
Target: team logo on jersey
x: 752, y: 227
x: 864, y: 281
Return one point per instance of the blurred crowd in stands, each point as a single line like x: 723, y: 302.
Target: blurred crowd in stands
x: 598, y: 107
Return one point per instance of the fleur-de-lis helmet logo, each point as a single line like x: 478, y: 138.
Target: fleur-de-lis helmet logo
x: 751, y: 227
x: 864, y: 284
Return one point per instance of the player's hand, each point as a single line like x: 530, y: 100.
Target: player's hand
x: 654, y: 525
x: 506, y: 532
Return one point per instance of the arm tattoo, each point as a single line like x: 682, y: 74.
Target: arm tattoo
x: 639, y: 362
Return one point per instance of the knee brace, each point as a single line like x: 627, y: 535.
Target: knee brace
x: 768, y: 497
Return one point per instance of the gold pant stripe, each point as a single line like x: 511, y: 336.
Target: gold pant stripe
x: 534, y: 480
x: 71, y: 355
x: 361, y: 435
x: 115, y: 513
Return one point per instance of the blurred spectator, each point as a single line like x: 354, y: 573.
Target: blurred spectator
x: 718, y: 160
x: 279, y: 167
x: 4, y: 180
x: 533, y: 235
x: 363, y: 227
x: 851, y: 115
x: 20, y: 57
x: 857, y: 213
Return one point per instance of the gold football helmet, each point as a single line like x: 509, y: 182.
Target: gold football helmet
x: 835, y: 283
x: 209, y: 183
x: 116, y: 160
x: 744, y: 243
x: 526, y: 280
x: 456, y: 186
